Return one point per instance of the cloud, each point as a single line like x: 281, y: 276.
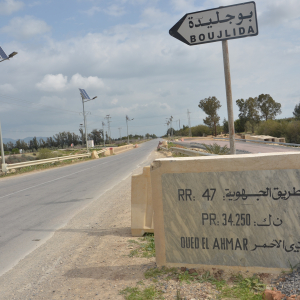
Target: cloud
x: 185, y: 6
x: 59, y: 82
x: 114, y: 101
x: 53, y: 83
x: 277, y: 12
x: 112, y: 10
x: 115, y: 10
x: 78, y: 81
x: 92, y: 10
x: 10, y: 6
x: 7, y: 88
x: 26, y: 27
x: 151, y: 74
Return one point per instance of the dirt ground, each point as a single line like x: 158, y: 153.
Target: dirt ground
x: 89, y: 258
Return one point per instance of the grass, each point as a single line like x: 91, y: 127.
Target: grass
x: 216, y: 149
x: 147, y: 293
x: 146, y: 246
x: 244, y: 289
x: 177, y: 154
x: 171, y: 145
x: 250, y: 288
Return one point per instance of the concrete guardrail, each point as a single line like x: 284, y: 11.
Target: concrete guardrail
x: 262, y: 142
x: 49, y: 160
x: 190, y: 152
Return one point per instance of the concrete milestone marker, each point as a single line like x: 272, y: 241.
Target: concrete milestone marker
x: 237, y: 211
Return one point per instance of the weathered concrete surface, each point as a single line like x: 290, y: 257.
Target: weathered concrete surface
x: 235, y: 210
x: 94, y: 154
x: 141, y: 203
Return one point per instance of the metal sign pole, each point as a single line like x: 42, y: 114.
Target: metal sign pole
x: 228, y: 96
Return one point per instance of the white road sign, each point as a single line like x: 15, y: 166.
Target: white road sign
x: 213, y: 25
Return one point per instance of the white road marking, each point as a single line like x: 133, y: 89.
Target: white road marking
x: 34, y: 186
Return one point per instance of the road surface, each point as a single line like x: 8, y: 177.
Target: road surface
x: 30, y: 204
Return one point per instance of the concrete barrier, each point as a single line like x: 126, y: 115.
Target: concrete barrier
x: 199, y: 203
x: 107, y: 152
x: 123, y: 148
x: 141, y: 204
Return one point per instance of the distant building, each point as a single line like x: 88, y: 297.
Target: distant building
x: 91, y: 144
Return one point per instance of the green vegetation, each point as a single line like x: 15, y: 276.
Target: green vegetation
x: 135, y: 293
x: 281, y: 128
x: 244, y: 289
x: 237, y: 287
x: 216, y: 149
x: 46, y: 153
x: 146, y: 246
x: 210, y: 106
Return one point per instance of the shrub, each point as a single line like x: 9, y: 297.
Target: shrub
x: 200, y: 130
x: 273, y: 128
x: 292, y: 133
x: 45, y: 153
x: 216, y: 149
x: 15, y: 151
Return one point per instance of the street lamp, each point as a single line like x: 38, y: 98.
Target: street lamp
x: 85, y: 98
x: 3, y: 57
x: 127, y: 119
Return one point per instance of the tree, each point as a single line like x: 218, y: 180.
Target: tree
x: 96, y: 136
x: 296, y: 111
x: 33, y: 144
x: 268, y: 107
x: 210, y: 106
x: 248, y: 112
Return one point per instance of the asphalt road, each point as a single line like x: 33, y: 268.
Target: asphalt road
x: 249, y: 147
x: 34, y: 205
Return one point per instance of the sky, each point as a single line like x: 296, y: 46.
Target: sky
x: 121, y: 52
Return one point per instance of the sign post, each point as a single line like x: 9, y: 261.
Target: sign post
x: 229, y: 97
x: 219, y: 24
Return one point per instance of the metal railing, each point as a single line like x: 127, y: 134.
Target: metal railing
x: 49, y: 160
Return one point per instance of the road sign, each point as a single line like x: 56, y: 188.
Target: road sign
x: 218, y: 24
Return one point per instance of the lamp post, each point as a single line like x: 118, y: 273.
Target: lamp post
x: 103, y: 124
x: 3, y: 57
x: 85, y: 98
x: 81, y: 126
x: 127, y: 120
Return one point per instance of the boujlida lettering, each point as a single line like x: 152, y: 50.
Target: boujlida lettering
x: 222, y: 34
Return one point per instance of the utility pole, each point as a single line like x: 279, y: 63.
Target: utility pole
x: 168, y: 123
x: 127, y: 120
x: 120, y: 133
x: 171, y: 126
x: 108, y: 126
x: 4, y: 165
x: 3, y: 57
x: 103, y: 124
x: 81, y: 127
x: 189, y: 121
x: 85, y: 98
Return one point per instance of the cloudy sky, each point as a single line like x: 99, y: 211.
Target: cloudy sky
x: 121, y: 52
